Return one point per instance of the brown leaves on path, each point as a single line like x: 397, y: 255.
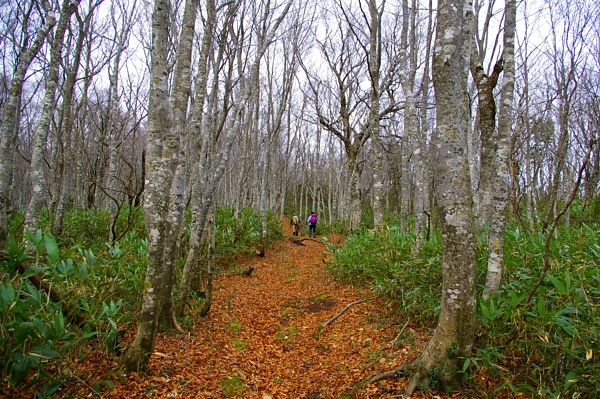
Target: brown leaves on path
x: 264, y: 338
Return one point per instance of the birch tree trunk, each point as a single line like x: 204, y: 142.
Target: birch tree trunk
x: 11, y: 116
x: 64, y: 193
x: 374, y: 58
x: 36, y: 170
x: 500, y: 185
x: 162, y: 191
x: 414, y: 142
x: 454, y: 335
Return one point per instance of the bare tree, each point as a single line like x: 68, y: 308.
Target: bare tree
x: 38, y: 180
x: 338, y: 99
x: 212, y: 165
x: 413, y: 137
x: 63, y: 175
x: 454, y: 334
x: 11, y: 112
x: 500, y: 178
x: 163, y: 195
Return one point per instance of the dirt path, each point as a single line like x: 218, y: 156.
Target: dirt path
x: 264, y: 336
x: 264, y: 339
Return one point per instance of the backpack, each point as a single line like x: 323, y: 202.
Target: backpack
x: 312, y: 219
x: 295, y: 221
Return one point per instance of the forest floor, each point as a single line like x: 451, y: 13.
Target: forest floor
x: 264, y: 338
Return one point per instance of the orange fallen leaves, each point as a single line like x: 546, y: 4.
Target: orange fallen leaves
x: 264, y: 338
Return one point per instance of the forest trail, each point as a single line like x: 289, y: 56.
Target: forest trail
x: 264, y: 339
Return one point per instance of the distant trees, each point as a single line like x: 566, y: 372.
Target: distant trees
x: 290, y: 107
x: 352, y: 58
x: 27, y: 50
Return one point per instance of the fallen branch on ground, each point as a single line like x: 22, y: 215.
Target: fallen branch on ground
x: 390, y: 374
x: 300, y: 241
x: 328, y: 322
x: 400, y: 333
x: 386, y: 375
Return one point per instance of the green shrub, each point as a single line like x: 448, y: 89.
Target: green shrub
x: 559, y: 330
x: 241, y: 234
x: 100, y: 291
x: 547, y: 348
x: 384, y: 261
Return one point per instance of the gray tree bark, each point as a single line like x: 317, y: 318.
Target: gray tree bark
x: 454, y: 335
x: 374, y: 57
x: 11, y: 115
x: 36, y: 171
x: 161, y: 198
x: 414, y: 141
x: 499, y: 198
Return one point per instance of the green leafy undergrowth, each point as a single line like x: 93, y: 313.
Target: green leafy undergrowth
x: 385, y: 262
x: 240, y: 234
x: 549, y: 345
x: 87, y: 295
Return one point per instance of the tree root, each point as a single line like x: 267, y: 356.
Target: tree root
x: 386, y: 375
x: 420, y: 375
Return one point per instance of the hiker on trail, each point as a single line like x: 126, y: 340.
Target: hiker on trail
x: 295, y: 223
x: 312, y: 224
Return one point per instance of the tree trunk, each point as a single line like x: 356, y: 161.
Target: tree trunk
x: 11, y: 117
x: 413, y: 141
x: 499, y: 198
x: 38, y: 164
x: 454, y: 335
x: 374, y: 57
x: 162, y: 148
x: 64, y: 193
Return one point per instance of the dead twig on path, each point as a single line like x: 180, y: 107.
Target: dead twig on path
x: 328, y: 322
x: 300, y: 241
x: 400, y: 333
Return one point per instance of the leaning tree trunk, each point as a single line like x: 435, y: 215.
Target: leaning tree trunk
x: 36, y: 170
x: 454, y: 335
x: 10, y: 118
x: 501, y: 172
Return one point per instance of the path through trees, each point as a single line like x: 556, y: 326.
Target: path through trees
x: 263, y: 338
